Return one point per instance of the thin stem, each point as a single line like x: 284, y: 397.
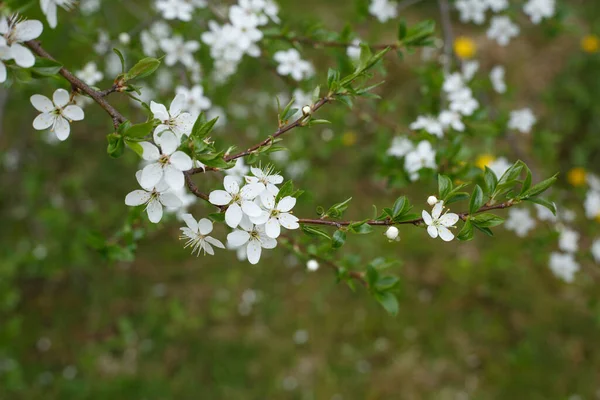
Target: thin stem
x: 116, y: 116
x: 417, y: 221
x: 316, y: 43
x: 193, y: 188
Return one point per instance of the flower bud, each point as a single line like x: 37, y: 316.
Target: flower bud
x: 392, y: 233
x: 124, y: 38
x: 306, y: 110
x: 312, y: 265
x: 432, y: 200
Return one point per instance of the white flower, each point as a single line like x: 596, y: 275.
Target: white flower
x: 499, y: 166
x: 592, y: 204
x: 124, y: 38
x: 429, y: 124
x: 264, y: 181
x: 563, y: 266
x: 400, y: 147
x: 239, y: 202
x: 277, y: 215
x: 167, y: 163
x: 175, y: 120
x: 15, y: 32
x: 90, y: 74
x: 497, y: 5
x: 519, y: 221
x: 196, y: 235
x: 522, y: 120
x: 539, y: 9
x: 423, y: 156
x: 56, y: 114
x: 253, y: 238
x: 196, y: 101
x: 291, y: 64
x: 451, y: 119
x: 5, y: 54
x: 453, y: 83
x: 596, y: 250
x: 178, y: 9
x: 392, y: 233
x: 438, y: 224
x: 179, y: 51
x: 463, y: 102
x: 312, y: 265
x: 502, y: 29
x: 472, y: 10
x: 154, y: 198
x: 568, y: 240
x: 49, y: 8
x: 383, y: 10
x: 497, y: 77
x: 469, y: 69
x: 88, y: 7
x: 432, y: 200
x: 353, y: 51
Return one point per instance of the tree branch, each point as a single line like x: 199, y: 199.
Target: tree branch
x: 79, y: 84
x: 417, y: 221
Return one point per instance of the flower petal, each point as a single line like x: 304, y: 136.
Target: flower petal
x: 168, y: 142
x: 237, y: 238
x: 181, y: 161
x: 214, y: 242
x: 449, y: 219
x: 61, y: 98
x: 233, y: 215
x: 149, y: 151
x: 268, y: 201
x: 426, y: 217
x: 288, y: 221
x: 433, y: 231
x: 272, y: 228
x: 61, y: 128
x: 190, y: 221
x: 74, y: 113
x: 151, y: 175
x: 177, y: 105
x: 28, y: 30
x: 41, y: 103
x: 170, y: 200
x: 286, y: 204
x: 23, y: 57
x: 207, y: 248
x: 174, y: 177
x: 159, y: 111
x: 219, y: 198
x: 205, y: 226
x: 43, y: 121
x: 437, y: 209
x: 253, y: 251
x: 267, y: 242
x: 251, y: 209
x: 137, y: 198
x: 445, y: 233
x: 155, y: 211
x: 230, y: 184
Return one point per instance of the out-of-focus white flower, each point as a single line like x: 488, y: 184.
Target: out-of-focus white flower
x: 519, y: 221
x: 502, y: 29
x: 522, y: 120
x: 564, y: 266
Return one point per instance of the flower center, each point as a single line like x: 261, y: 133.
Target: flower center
x: 163, y: 160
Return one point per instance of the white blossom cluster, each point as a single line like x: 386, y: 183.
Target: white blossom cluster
x: 415, y: 157
x: 231, y: 41
x: 383, y: 10
x: 14, y: 31
x: 179, y: 9
x: 475, y: 10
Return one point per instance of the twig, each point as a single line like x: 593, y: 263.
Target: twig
x: 417, y: 221
x: 79, y: 84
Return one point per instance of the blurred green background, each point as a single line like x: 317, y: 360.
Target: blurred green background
x: 95, y: 303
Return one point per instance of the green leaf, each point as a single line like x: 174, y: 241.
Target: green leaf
x: 143, y: 68
x: 491, y: 181
x: 135, y: 146
x: 466, y: 233
x: 360, y: 228
x: 389, y: 302
x: 116, y: 145
x: 539, y: 188
x: 310, y: 231
x: 476, y: 200
x: 444, y: 186
x: 454, y: 196
x: 122, y: 58
x: 139, y: 131
x: 46, y: 67
x: 543, y: 202
x: 217, y: 217
x: 386, y: 283
x: 333, y: 78
x: 527, y: 182
x: 337, y: 210
x: 486, y: 220
x: 202, y: 128
x: 399, y: 205
x: 286, y: 190
x: 339, y: 238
